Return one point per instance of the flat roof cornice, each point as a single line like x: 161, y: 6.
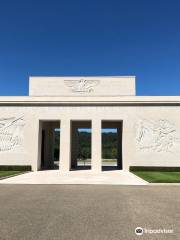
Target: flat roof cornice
x: 85, y: 76
x: 84, y: 100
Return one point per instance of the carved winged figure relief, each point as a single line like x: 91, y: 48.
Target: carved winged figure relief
x: 11, y: 133
x: 159, y: 136
x: 81, y: 85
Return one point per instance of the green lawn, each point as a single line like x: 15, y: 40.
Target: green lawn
x: 8, y: 173
x: 158, y: 176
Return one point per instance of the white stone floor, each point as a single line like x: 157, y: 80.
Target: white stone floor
x: 117, y: 177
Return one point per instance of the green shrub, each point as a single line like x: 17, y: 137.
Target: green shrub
x: 154, y: 168
x: 15, y: 168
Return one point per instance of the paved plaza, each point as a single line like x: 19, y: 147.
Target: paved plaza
x: 113, y: 177
x: 87, y: 212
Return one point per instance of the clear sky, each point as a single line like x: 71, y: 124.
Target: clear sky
x: 95, y: 37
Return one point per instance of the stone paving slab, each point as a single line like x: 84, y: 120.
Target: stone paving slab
x: 76, y: 177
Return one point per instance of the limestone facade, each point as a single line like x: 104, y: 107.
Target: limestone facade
x: 149, y: 125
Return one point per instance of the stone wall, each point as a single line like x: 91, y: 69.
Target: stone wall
x: 151, y: 134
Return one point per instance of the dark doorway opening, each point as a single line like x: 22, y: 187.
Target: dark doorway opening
x: 50, y: 144
x: 80, y: 145
x: 112, y: 145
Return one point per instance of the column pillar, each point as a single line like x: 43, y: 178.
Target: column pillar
x: 96, y: 161
x: 127, y: 144
x: 34, y: 144
x: 65, y: 145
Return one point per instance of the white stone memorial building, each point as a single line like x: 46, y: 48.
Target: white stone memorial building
x: 148, y: 127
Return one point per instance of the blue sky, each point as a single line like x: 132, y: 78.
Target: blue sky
x: 105, y: 130
x: 95, y: 37
x: 113, y: 130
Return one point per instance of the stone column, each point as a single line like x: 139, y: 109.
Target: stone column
x: 127, y: 144
x: 34, y: 141
x: 65, y: 145
x: 96, y: 161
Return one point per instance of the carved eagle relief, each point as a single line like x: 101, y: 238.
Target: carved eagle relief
x: 82, y: 85
x: 11, y: 133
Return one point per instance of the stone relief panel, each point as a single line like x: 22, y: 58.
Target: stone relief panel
x: 11, y: 133
x: 82, y: 85
x: 156, y: 136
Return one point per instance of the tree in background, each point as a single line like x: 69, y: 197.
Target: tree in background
x: 109, y: 143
